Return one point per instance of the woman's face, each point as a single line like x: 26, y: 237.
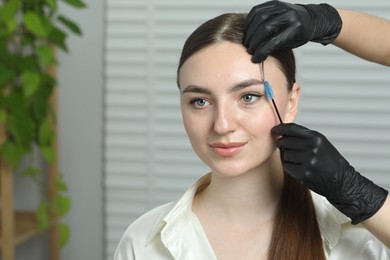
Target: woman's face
x: 226, y: 113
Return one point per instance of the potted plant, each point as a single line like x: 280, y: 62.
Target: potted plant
x: 30, y: 32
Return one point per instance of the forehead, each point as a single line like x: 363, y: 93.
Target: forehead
x: 224, y: 63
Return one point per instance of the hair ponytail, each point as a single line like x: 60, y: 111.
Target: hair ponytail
x: 296, y: 234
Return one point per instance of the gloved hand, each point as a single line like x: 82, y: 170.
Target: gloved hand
x: 311, y: 159
x: 278, y: 25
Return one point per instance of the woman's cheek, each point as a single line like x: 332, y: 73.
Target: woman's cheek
x: 196, y: 127
x: 269, y: 116
x: 261, y: 124
x: 187, y: 124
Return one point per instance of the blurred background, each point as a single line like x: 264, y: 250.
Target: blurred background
x: 122, y: 146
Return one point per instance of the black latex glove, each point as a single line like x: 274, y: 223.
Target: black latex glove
x: 311, y: 159
x: 278, y: 25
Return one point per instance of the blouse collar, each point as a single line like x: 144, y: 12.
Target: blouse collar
x: 172, y: 220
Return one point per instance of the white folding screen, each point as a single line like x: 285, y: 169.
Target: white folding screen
x: 148, y: 159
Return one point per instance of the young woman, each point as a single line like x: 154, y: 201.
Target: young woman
x: 247, y: 207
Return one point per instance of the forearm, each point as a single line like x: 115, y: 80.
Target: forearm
x: 365, y: 36
x: 379, y: 224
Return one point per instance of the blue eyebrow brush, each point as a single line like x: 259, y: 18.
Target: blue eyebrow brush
x: 268, y: 91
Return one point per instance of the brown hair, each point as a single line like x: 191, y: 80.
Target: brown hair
x: 230, y: 27
x: 296, y: 234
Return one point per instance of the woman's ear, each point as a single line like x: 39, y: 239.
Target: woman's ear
x: 293, y: 101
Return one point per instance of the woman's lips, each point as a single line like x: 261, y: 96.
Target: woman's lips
x: 227, y: 149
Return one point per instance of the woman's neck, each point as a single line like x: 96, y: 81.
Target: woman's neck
x: 246, y: 199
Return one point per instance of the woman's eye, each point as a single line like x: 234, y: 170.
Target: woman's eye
x: 199, y: 102
x: 250, y: 98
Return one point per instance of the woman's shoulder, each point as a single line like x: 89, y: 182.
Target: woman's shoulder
x: 149, y: 220
x: 356, y: 242
x: 140, y: 233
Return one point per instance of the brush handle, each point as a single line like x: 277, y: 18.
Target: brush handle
x: 277, y: 111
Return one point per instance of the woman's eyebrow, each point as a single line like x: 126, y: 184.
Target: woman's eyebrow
x: 236, y: 87
x: 196, y: 89
x: 244, y: 84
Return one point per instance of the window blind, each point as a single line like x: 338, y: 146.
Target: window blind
x: 148, y: 159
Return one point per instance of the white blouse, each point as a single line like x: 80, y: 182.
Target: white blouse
x: 172, y: 231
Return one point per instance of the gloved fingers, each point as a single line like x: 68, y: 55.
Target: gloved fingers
x: 294, y: 157
x: 264, y: 45
x: 291, y: 130
x: 291, y: 37
x: 272, y: 35
x: 295, y: 144
x: 275, y: 35
x: 315, y: 182
x: 268, y: 25
x: 261, y: 54
x: 294, y: 170
x: 258, y: 14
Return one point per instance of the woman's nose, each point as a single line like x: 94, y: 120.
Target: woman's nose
x: 225, y: 119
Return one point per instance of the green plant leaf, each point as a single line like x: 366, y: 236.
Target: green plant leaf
x: 31, y: 172
x: 61, y: 185
x: 15, y: 102
x: 42, y: 215
x: 40, y: 105
x: 20, y: 122
x: 3, y: 48
x: 3, y: 116
x: 70, y: 24
x: 9, y: 10
x: 3, y: 33
x: 6, y: 75
x: 58, y: 37
x: 45, y: 55
x: 34, y: 24
x: 11, y: 153
x: 49, y: 153
x: 46, y: 133
x: 11, y: 25
x: 52, y: 4
x: 47, y: 23
x: 27, y: 62
x: 22, y: 129
x: 75, y: 3
x: 64, y: 234
x: 61, y: 205
x: 31, y: 82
